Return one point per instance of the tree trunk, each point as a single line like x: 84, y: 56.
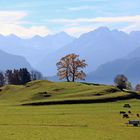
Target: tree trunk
x: 73, y: 76
x: 67, y: 79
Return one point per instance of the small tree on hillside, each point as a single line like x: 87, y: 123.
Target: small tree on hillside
x: 69, y: 67
x: 121, y: 81
x: 128, y: 85
x: 137, y: 88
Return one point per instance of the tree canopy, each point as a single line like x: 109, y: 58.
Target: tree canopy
x: 122, y: 82
x: 17, y: 77
x: 70, y: 68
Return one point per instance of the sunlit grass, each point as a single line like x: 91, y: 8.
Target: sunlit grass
x: 48, y: 91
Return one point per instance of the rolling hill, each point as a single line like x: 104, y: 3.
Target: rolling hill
x: 46, y: 92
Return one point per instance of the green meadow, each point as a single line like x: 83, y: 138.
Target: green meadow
x: 96, y: 121
x: 46, y: 91
x: 68, y: 122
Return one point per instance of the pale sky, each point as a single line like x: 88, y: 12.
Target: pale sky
x: 26, y: 18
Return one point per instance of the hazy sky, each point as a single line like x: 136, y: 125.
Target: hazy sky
x: 27, y: 18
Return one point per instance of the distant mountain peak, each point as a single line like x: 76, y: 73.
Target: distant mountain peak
x: 103, y: 29
x: 37, y: 37
x: 13, y: 36
x: 97, y: 32
x: 62, y: 34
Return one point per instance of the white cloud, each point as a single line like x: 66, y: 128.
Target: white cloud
x: 130, y: 19
x: 74, y: 26
x: 131, y: 27
x: 22, y: 31
x: 81, y: 8
x: 14, y: 17
x: 11, y: 22
x: 77, y: 31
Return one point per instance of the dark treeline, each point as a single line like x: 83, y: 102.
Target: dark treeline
x: 19, y: 76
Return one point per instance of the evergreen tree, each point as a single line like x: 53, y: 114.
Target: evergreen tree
x: 36, y: 75
x: 2, y: 79
x: 8, y: 77
x: 25, y: 76
x: 17, y: 77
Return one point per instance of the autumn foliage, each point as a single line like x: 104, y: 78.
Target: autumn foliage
x: 70, y: 67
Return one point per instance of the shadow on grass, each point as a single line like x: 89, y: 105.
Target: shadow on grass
x: 85, y: 101
x: 45, y: 125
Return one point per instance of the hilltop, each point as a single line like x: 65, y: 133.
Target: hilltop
x: 46, y: 92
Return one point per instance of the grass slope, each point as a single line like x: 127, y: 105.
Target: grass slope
x: 65, y: 122
x: 46, y: 91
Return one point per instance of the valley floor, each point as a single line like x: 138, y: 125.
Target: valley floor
x: 68, y: 122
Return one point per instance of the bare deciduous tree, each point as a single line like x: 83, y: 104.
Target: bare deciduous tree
x: 70, y: 67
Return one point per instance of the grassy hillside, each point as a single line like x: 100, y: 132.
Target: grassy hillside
x: 65, y: 122
x: 46, y: 91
